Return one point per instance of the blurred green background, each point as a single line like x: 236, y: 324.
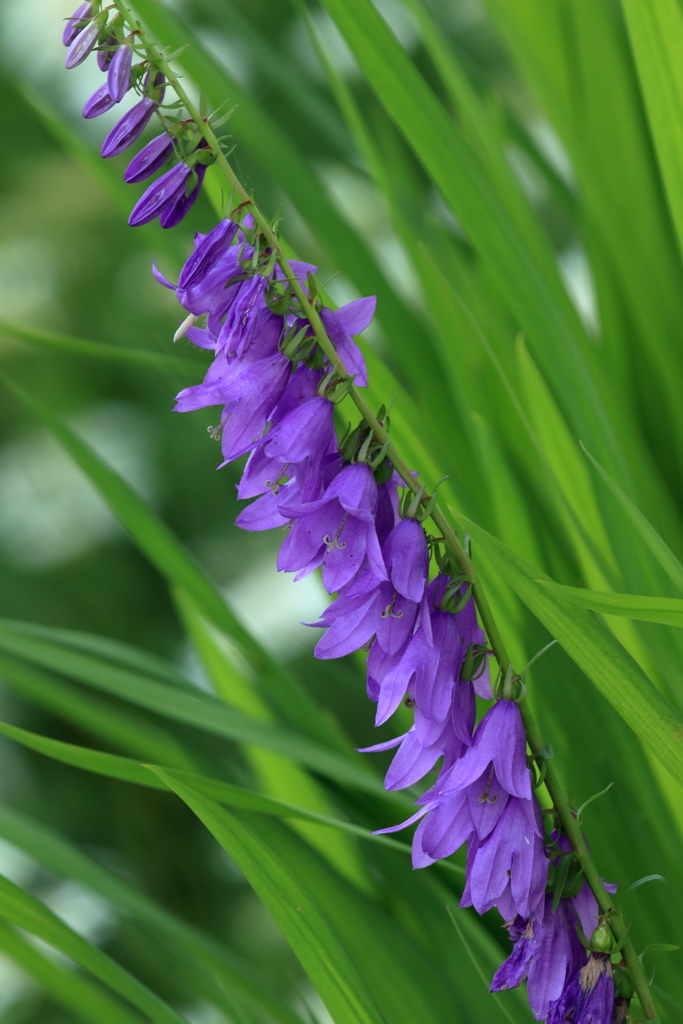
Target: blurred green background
x: 70, y: 264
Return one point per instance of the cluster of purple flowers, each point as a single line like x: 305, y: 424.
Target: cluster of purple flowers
x: 339, y: 503
x: 170, y: 197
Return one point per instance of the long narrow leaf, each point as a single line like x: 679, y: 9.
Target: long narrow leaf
x: 25, y: 910
x: 76, y: 994
x: 56, y: 854
x: 321, y: 953
x: 594, y: 650
x: 666, y: 610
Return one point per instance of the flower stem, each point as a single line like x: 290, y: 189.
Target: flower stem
x: 570, y: 825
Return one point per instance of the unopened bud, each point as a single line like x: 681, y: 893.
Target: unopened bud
x: 602, y: 940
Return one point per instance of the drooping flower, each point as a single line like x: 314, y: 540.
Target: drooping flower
x: 337, y: 531
x: 341, y: 324
x: 589, y: 995
x: 75, y: 23
x: 407, y: 558
x: 499, y: 739
x: 547, y: 952
x: 118, y: 72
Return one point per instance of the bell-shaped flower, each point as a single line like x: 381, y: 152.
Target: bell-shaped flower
x: 118, y: 72
x: 407, y: 558
x: 589, y: 995
x: 206, y: 253
x: 172, y: 214
x: 82, y: 45
x: 341, y: 325
x: 150, y: 158
x: 164, y: 191
x: 99, y: 102
x: 546, y: 951
x: 305, y: 432
x: 74, y: 24
x: 237, y: 331
x: 511, y: 856
x: 337, y: 531
x: 499, y: 739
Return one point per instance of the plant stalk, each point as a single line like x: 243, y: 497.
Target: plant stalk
x: 570, y: 825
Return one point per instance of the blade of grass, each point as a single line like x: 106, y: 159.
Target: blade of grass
x: 188, y: 369
x: 310, y: 935
x: 666, y: 610
x: 278, y: 776
x: 24, y: 910
x: 595, y: 651
x: 56, y: 854
x: 76, y: 994
x: 197, y: 709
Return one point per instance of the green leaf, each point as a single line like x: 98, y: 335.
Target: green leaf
x: 25, y: 910
x: 659, y: 947
x: 659, y: 548
x: 656, y: 36
x: 58, y: 855
x: 667, y: 610
x: 126, y: 770
x: 596, y: 651
x: 188, y: 369
x: 77, y: 994
x: 130, y: 731
x: 278, y: 776
x: 310, y: 935
x: 197, y: 708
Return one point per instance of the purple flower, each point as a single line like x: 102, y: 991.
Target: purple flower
x: 511, y: 858
x: 499, y: 739
x: 341, y: 324
x: 472, y: 633
x: 172, y: 214
x: 337, y: 531
x: 207, y: 252
x: 150, y: 158
x: 74, y: 24
x: 352, y: 621
x: 99, y: 102
x: 547, y: 951
x: 165, y: 190
x: 238, y: 329
x: 305, y: 432
x: 118, y: 73
x: 407, y: 558
x: 589, y: 996
x: 82, y: 45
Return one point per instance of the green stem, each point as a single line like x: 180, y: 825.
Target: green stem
x: 570, y: 825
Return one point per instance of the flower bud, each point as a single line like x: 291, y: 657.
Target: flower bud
x: 602, y: 940
x: 99, y: 102
x: 118, y: 74
x: 82, y: 45
x: 74, y: 24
